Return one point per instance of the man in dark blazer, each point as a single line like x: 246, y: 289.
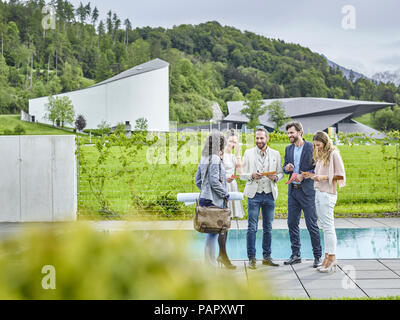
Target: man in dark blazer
x: 301, y: 195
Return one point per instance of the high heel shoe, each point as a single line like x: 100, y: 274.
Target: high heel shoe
x: 331, y: 268
x: 225, y: 261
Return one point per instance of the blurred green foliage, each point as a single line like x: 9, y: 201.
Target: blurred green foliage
x: 123, y: 265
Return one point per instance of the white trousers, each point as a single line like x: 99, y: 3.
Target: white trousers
x: 325, y: 204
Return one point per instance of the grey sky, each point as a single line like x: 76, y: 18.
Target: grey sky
x: 373, y: 46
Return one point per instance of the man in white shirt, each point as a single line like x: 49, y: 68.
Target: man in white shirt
x: 262, y: 192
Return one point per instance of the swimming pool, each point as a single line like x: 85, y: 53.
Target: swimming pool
x: 370, y: 243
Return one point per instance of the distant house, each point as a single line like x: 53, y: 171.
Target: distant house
x: 315, y: 114
x: 140, y: 92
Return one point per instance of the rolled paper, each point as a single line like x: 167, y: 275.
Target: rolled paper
x: 266, y: 174
x: 294, y: 175
x: 191, y: 198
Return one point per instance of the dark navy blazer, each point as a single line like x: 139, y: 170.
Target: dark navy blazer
x: 306, y: 165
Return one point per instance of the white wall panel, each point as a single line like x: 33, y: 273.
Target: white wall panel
x: 39, y: 180
x: 10, y: 201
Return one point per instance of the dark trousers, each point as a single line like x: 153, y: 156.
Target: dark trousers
x: 298, y: 201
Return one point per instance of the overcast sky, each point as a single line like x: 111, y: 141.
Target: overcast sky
x: 373, y: 46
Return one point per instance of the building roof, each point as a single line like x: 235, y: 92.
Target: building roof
x: 142, y: 68
x: 314, y: 113
x: 357, y: 127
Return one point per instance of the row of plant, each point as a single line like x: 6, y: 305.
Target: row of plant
x: 142, y: 174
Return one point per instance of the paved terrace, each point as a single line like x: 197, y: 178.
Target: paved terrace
x: 353, y: 278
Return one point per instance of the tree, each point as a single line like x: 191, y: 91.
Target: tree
x: 128, y: 27
x: 80, y: 123
x: 116, y: 24
x: 104, y: 128
x: 254, y: 109
x: 71, y: 78
x: 95, y: 16
x: 60, y: 109
x: 141, y: 124
x: 277, y: 114
x: 387, y: 119
x: 109, y: 23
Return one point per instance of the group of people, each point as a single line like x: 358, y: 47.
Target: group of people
x: 315, y: 170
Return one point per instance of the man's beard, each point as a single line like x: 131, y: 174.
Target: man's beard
x: 295, y: 139
x: 262, y: 147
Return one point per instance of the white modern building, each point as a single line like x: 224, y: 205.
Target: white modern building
x: 140, y: 92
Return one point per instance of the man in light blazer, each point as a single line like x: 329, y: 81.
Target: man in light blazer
x: 301, y: 194
x: 262, y: 191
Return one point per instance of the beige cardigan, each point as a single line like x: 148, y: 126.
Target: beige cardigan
x: 334, y: 168
x: 249, y: 167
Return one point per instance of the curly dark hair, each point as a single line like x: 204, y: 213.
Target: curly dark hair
x: 214, y: 144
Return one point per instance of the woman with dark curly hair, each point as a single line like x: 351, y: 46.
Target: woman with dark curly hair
x: 213, y: 192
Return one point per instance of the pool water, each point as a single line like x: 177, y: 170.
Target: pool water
x: 370, y: 243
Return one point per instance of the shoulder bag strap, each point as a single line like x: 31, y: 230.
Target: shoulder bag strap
x: 205, y: 175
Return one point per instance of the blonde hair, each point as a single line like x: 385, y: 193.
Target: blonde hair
x: 324, y: 155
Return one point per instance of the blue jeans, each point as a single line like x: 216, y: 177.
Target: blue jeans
x: 266, y: 203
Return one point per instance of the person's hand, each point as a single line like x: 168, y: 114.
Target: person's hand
x: 229, y: 180
x: 238, y: 151
x: 273, y: 177
x: 299, y: 178
x: 256, y: 176
x: 289, y: 167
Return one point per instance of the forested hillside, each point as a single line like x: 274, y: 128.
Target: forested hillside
x: 209, y: 62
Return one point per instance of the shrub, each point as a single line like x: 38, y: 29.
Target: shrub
x: 19, y: 130
x: 123, y: 265
x: 8, y: 132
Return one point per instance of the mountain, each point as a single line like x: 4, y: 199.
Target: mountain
x: 209, y: 63
x: 346, y: 72
x: 388, y: 76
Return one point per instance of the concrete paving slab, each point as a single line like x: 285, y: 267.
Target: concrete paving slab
x: 392, y: 264
x: 322, y: 284
x: 268, y: 274
x: 344, y: 224
x: 285, y: 284
x: 366, y: 223
x: 376, y: 293
x: 279, y: 224
x: 281, y: 275
x: 390, y: 222
x: 378, y: 283
x: 359, y: 265
x: 290, y: 294
x: 339, y: 275
x: 375, y: 274
x: 335, y: 293
x: 397, y: 261
x: 304, y: 265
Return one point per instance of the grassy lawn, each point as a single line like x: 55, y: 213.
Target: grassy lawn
x: 9, y: 122
x: 366, y: 119
x: 152, y: 188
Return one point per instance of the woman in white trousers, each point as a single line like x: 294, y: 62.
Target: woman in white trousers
x: 329, y: 173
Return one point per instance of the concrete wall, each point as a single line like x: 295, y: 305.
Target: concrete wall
x: 144, y: 95
x: 39, y: 182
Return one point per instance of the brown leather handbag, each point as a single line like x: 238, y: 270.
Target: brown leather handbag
x: 212, y: 219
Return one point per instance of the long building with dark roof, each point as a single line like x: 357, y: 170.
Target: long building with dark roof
x: 315, y: 114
